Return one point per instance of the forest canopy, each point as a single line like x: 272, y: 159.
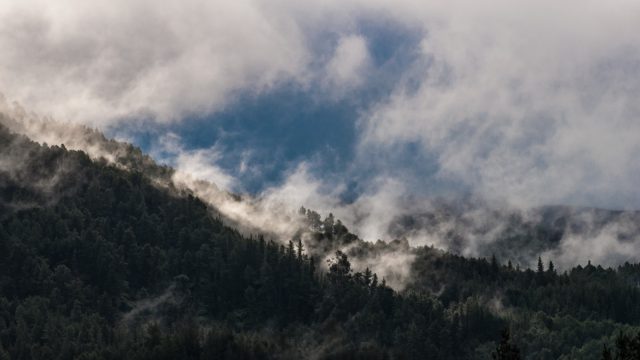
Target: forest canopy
x: 97, y: 262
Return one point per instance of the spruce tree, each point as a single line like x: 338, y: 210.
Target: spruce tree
x: 506, y: 350
x: 540, y: 266
x: 551, y: 269
x: 606, y: 353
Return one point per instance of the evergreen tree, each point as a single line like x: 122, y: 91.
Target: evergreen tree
x: 495, y: 267
x: 540, y: 266
x: 506, y: 350
x: 3, y: 354
x: 606, y: 353
x: 300, y: 248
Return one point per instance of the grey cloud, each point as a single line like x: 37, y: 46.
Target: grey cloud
x: 108, y: 60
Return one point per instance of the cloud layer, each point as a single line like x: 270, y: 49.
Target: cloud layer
x: 112, y: 60
x: 532, y: 102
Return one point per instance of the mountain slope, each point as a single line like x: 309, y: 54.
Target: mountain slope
x: 114, y: 256
x: 97, y: 262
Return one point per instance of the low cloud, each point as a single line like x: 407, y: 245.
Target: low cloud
x: 600, y: 238
x: 199, y: 164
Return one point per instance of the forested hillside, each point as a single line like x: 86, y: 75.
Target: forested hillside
x: 97, y: 262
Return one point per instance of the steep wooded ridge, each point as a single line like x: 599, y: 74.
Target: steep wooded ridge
x: 99, y: 262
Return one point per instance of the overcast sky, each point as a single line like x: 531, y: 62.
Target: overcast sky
x: 372, y: 102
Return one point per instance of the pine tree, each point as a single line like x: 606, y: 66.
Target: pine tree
x: 312, y: 267
x: 300, y: 249
x: 540, y: 266
x: 606, y: 353
x: 494, y: 264
x: 290, y: 250
x: 367, y: 276
x: 374, y: 281
x: 328, y: 224
x: 3, y: 354
x: 627, y: 347
x: 551, y: 269
x: 506, y: 350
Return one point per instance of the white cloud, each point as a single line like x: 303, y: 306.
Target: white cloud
x: 349, y: 63
x: 198, y: 164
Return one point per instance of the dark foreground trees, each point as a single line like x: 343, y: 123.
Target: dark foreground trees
x: 506, y: 350
x: 627, y: 347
